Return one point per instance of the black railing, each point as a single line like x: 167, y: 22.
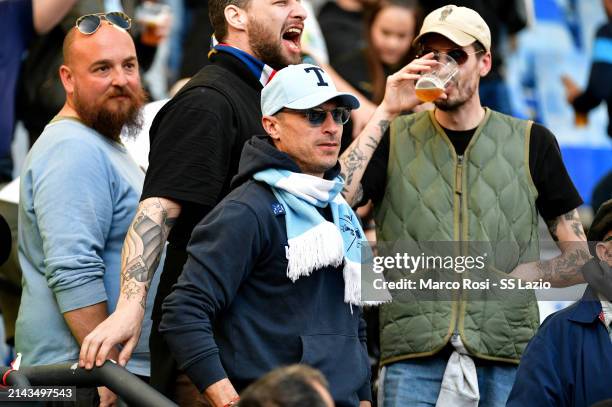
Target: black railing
x: 128, y: 387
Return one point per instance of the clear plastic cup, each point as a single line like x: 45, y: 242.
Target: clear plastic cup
x: 152, y: 16
x: 431, y: 85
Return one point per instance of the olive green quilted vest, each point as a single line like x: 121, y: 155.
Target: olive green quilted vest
x: 485, y: 196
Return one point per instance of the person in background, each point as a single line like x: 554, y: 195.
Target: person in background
x: 341, y: 22
x: 390, y: 29
x: 20, y: 22
x: 79, y: 192
x: 291, y: 386
x: 599, y: 86
x: 568, y: 362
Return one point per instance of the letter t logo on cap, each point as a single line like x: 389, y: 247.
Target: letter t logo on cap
x: 318, y: 71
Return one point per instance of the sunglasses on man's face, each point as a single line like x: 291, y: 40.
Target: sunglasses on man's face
x: 316, y: 116
x: 89, y: 23
x: 458, y: 54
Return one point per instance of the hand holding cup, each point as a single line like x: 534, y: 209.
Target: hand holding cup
x: 432, y: 84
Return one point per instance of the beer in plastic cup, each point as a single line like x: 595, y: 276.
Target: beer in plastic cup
x: 431, y: 85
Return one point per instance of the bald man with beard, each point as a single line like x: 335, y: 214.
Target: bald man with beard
x: 79, y: 192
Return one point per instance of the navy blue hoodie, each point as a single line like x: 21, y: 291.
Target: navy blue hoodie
x: 234, y: 312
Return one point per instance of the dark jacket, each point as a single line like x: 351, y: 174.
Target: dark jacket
x: 196, y: 141
x: 568, y: 362
x: 234, y: 312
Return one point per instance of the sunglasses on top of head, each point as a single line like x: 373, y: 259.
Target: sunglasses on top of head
x: 89, y: 23
x: 458, y: 54
x: 317, y: 116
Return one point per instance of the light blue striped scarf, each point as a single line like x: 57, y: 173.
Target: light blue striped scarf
x: 313, y: 241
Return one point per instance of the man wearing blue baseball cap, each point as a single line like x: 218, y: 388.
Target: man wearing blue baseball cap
x: 274, y: 269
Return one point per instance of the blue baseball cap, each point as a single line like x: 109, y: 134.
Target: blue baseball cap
x: 302, y: 87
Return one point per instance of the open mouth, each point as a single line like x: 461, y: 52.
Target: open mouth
x: 292, y: 38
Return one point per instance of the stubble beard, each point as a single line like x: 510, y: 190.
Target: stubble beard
x: 268, y: 48
x: 454, y: 104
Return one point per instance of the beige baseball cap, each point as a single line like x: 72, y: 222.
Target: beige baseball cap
x: 461, y: 25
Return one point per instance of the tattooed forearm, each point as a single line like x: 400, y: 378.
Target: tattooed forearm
x: 372, y: 143
x: 383, y: 125
x: 567, y: 227
x: 132, y: 290
x: 573, y: 219
x: 144, y: 244
x: 138, y: 270
x: 357, y: 196
x: 564, y: 270
x: 356, y: 160
x: 149, y: 234
x: 578, y: 230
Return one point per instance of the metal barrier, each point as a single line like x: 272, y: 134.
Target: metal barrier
x: 124, y: 384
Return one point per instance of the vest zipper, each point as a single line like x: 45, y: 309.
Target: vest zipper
x: 459, y: 191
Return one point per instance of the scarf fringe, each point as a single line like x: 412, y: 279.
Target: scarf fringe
x: 352, y: 287
x: 318, y: 247
x: 352, y: 282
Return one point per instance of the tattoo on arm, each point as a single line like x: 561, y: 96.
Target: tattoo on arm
x: 577, y: 228
x: 567, y: 231
x: 357, y: 197
x: 131, y: 289
x: 575, y: 223
x: 356, y: 159
x: 143, y: 247
x: 354, y: 162
x: 565, y: 269
x: 372, y: 143
x: 383, y: 125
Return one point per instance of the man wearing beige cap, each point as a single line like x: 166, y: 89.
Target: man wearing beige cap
x: 463, y: 172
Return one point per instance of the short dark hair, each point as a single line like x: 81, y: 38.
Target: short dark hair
x: 216, y: 14
x: 290, y: 386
